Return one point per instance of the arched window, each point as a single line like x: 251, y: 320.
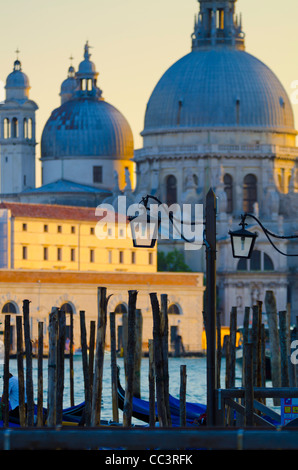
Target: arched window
x: 9, y: 308
x: 6, y: 128
x: 249, y: 192
x: 121, y: 308
x: 259, y: 261
x: 228, y: 186
x: 268, y: 263
x: 173, y: 310
x: 14, y: 128
x: 30, y: 129
x: 67, y: 308
x: 25, y: 128
x: 242, y: 265
x: 171, y: 185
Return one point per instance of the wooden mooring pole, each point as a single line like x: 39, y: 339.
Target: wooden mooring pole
x: 40, y: 376
x: 20, y: 361
x: 52, y: 368
x: 115, y: 411
x: 130, y: 358
x: 151, y: 380
x: 182, y: 395
x: 29, y: 377
x: 6, y: 370
x: 158, y: 362
x: 99, y: 355
x: 85, y: 369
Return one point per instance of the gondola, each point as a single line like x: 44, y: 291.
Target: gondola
x: 71, y: 416
x: 195, y: 412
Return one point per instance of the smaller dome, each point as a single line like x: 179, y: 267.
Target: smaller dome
x: 17, y: 78
x: 87, y: 67
x: 68, y: 85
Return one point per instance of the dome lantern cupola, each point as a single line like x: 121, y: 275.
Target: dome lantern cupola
x: 87, y: 76
x: 217, y: 25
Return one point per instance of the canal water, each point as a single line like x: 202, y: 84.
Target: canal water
x: 196, y: 388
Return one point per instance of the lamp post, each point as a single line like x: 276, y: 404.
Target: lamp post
x: 243, y: 240
x: 144, y: 231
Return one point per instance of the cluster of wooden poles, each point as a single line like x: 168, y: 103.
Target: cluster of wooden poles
x: 92, y: 363
x: 283, y: 371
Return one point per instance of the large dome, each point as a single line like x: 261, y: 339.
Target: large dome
x: 219, y: 87
x: 86, y: 127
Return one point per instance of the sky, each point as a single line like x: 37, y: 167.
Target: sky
x: 133, y: 43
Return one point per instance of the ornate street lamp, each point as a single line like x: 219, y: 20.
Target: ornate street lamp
x: 243, y: 240
x: 146, y: 237
x: 144, y: 230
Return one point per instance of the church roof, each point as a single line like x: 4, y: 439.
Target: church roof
x: 65, y: 186
x: 53, y: 211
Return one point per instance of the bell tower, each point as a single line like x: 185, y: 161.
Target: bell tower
x: 17, y: 134
x: 217, y: 24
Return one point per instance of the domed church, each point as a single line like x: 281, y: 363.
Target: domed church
x: 86, y: 144
x: 220, y: 118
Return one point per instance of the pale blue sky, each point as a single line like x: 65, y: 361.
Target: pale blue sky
x: 134, y: 42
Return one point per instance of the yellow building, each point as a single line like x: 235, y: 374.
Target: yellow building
x: 42, y: 236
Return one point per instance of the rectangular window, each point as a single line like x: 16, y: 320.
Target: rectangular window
x: 133, y: 257
x: 97, y: 174
x: 150, y: 258
x: 121, y: 257
x: 73, y: 229
x: 59, y: 254
x: 91, y: 230
x: 110, y: 257
x: 45, y: 228
x: 92, y: 256
x: 72, y: 254
x: 59, y: 229
x: 45, y: 253
x: 24, y: 252
x: 24, y: 227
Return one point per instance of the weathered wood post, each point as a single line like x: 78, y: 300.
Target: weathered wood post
x: 228, y: 360
x: 210, y: 242
x: 283, y: 338
x: 182, y: 396
x: 130, y: 359
x: 271, y: 311
x: 151, y: 380
x: 158, y: 362
x: 28, y: 351
x: 99, y: 356
x: 85, y: 368
x: 20, y: 357
x: 138, y: 353
x: 256, y: 340
x: 219, y: 351
x: 52, y: 368
x: 91, y: 354
x: 40, y: 376
x: 249, y: 390
x: 71, y: 371
x: 233, y: 331
x: 114, y: 368
x: 60, y: 364
x: 6, y: 370
x: 165, y: 351
x: 245, y: 338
